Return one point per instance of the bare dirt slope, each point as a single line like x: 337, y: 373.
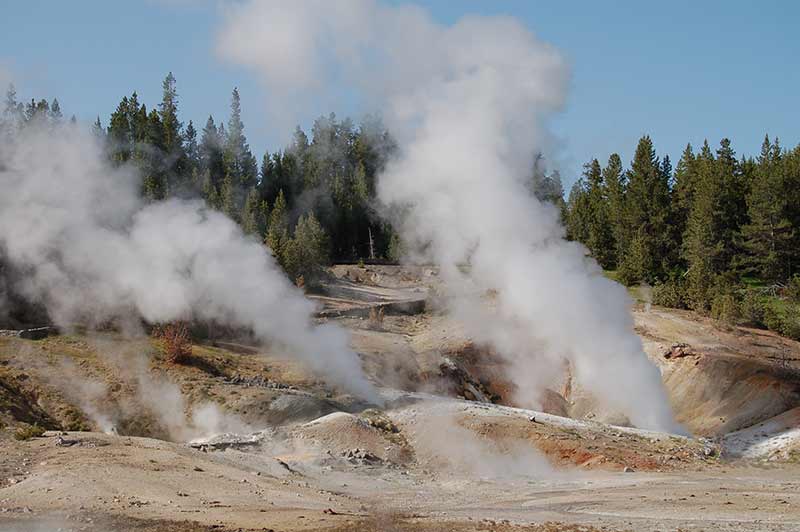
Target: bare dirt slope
x: 720, y: 378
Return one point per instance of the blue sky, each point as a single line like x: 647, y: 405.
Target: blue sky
x: 679, y: 71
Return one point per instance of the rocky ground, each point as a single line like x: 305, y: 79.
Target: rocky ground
x: 242, y: 438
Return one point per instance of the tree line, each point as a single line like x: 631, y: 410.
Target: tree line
x: 717, y: 234
x: 312, y: 202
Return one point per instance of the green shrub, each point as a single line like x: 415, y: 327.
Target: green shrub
x: 725, y: 308
x: 307, y: 253
x: 792, y: 290
x: 27, y: 432
x: 772, y: 319
x: 752, y: 308
x: 671, y: 294
x: 790, y: 325
x: 395, y: 249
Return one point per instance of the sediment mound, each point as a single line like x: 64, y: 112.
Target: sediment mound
x: 346, y: 435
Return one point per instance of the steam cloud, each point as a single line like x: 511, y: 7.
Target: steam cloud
x: 468, y: 452
x: 468, y: 103
x: 90, y: 250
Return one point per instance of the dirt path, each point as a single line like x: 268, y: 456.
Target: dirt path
x: 103, y: 479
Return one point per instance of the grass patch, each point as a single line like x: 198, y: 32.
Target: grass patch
x: 782, y: 307
x: 750, y: 301
x: 753, y: 282
x: 635, y: 292
x: 613, y: 275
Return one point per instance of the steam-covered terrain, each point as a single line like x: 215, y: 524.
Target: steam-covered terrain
x: 245, y: 437
x: 191, y: 340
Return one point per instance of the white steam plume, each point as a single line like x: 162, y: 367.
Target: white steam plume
x: 468, y: 103
x: 90, y: 250
x: 471, y: 453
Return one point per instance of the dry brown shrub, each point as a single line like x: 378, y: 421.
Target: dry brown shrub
x: 376, y: 315
x: 27, y: 432
x: 177, y: 341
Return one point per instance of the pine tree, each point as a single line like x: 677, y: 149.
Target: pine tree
x: 37, y: 112
x: 278, y: 173
x: 210, y: 193
x: 538, y: 175
x: 578, y: 213
x: 770, y: 236
x: 290, y: 176
x: 307, y: 252
x: 168, y: 115
x: 666, y: 171
x: 56, y: 116
x: 614, y: 182
x: 701, y: 240
x: 191, y: 149
x: 97, y: 128
x: 266, y: 179
x: 714, y: 221
x: 263, y: 218
x: 239, y: 161
x: 227, y: 199
x: 791, y: 186
x: 637, y: 259
x: 683, y: 191
x: 13, y: 111
x: 646, y: 217
x: 302, y: 154
x: 250, y: 213
x: 177, y: 172
x: 278, y: 233
x: 30, y: 111
x: 546, y: 188
x: 210, y: 150
x: 155, y: 186
x: 119, y: 131
x: 139, y: 121
x: 130, y: 130
x: 154, y: 132
x: 394, y: 251
x: 732, y: 204
x: 12, y: 117
x: 671, y: 258
x: 600, y: 238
